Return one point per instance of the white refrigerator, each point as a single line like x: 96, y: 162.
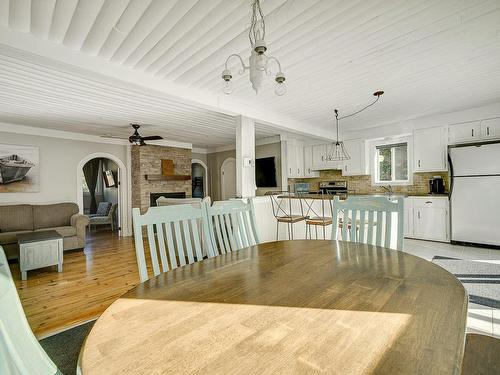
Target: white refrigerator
x: 475, y: 193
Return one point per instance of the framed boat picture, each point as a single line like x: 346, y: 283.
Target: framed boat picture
x: 19, y: 169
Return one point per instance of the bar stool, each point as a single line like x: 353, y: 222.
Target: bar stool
x: 318, y: 220
x: 282, y: 213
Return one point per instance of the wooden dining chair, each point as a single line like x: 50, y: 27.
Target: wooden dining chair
x: 368, y: 220
x: 20, y: 352
x: 174, y: 229
x: 232, y: 225
x: 481, y: 355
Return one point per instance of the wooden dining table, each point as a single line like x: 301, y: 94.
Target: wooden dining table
x: 287, y: 307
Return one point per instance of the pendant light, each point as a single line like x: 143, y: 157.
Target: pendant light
x: 337, y: 150
x: 259, y: 62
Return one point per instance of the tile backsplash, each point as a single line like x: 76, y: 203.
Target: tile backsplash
x: 363, y: 184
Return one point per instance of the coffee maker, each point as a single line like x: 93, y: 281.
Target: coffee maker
x: 436, y: 185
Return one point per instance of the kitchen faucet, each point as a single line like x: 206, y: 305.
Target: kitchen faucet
x: 388, y: 190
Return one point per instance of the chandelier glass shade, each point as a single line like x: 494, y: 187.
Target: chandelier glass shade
x: 259, y: 62
x: 337, y: 150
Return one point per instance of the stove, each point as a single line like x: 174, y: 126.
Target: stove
x: 334, y: 188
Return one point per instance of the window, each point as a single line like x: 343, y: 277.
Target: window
x: 391, y: 163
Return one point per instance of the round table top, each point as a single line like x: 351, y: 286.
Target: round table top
x: 304, y: 306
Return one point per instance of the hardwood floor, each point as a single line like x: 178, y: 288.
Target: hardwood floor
x: 91, y: 280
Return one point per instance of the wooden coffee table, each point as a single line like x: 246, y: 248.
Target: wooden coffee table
x: 39, y: 249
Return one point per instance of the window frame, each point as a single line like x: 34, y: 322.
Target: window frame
x: 374, y: 165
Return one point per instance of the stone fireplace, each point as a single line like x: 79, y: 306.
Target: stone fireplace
x: 146, y: 160
x: 154, y: 196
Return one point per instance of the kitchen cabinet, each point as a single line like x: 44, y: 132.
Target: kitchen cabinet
x: 430, y: 150
x: 431, y: 218
x: 319, y: 158
x: 408, y: 217
x: 309, y: 170
x: 357, y: 164
x: 295, y: 159
x: 463, y: 133
x: 490, y: 129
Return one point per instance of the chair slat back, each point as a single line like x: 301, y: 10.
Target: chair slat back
x: 350, y: 218
x: 232, y: 225
x: 20, y: 352
x: 177, y: 229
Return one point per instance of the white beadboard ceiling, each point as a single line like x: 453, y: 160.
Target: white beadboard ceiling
x: 429, y: 56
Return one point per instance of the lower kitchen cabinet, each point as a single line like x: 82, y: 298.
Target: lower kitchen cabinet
x: 427, y: 218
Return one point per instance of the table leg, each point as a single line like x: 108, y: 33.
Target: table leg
x: 59, y: 267
x: 24, y: 275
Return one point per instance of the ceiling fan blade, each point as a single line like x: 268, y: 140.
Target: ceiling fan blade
x: 152, y: 138
x: 112, y: 136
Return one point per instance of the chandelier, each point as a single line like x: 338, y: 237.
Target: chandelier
x: 258, y: 66
x: 337, y: 150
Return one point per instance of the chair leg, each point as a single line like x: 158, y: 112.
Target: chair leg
x: 291, y: 226
x: 316, y: 229
x: 324, y: 233
x: 277, y: 230
x: 288, y: 226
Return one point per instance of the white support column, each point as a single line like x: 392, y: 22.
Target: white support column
x: 245, y: 157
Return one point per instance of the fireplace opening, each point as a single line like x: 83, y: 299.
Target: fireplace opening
x: 154, y: 196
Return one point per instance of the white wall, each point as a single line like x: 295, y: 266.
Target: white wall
x: 59, y: 159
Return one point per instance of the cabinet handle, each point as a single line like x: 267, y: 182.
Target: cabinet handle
x: 418, y: 214
x: 309, y: 170
x: 322, y: 158
x: 473, y: 132
x: 446, y: 224
x: 346, y: 168
x: 428, y: 202
x: 487, y: 130
x: 419, y: 163
x: 290, y: 170
x: 298, y: 170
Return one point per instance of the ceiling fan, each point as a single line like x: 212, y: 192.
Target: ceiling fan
x: 136, y: 138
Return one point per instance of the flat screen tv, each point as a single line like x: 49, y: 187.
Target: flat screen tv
x: 265, y: 172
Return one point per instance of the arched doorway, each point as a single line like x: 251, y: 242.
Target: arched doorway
x: 228, y: 179
x: 199, y: 178
x: 112, y: 181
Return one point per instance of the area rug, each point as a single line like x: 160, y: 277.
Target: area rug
x: 64, y: 348
x: 480, y: 279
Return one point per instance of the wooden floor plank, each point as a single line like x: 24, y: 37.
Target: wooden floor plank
x: 91, y: 280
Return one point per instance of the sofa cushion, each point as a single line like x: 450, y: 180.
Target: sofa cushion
x: 103, y: 209
x: 66, y: 231
x: 11, y: 237
x: 16, y: 217
x: 53, y: 215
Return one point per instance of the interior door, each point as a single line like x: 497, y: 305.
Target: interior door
x: 228, y: 179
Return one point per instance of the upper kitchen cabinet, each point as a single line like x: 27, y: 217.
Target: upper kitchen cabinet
x: 490, y: 129
x: 463, y: 133
x: 430, y: 150
x: 357, y: 164
x: 318, y: 156
x: 295, y: 158
x: 319, y: 153
x: 309, y: 170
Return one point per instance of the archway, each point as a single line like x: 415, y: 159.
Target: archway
x: 199, y: 170
x: 121, y: 177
